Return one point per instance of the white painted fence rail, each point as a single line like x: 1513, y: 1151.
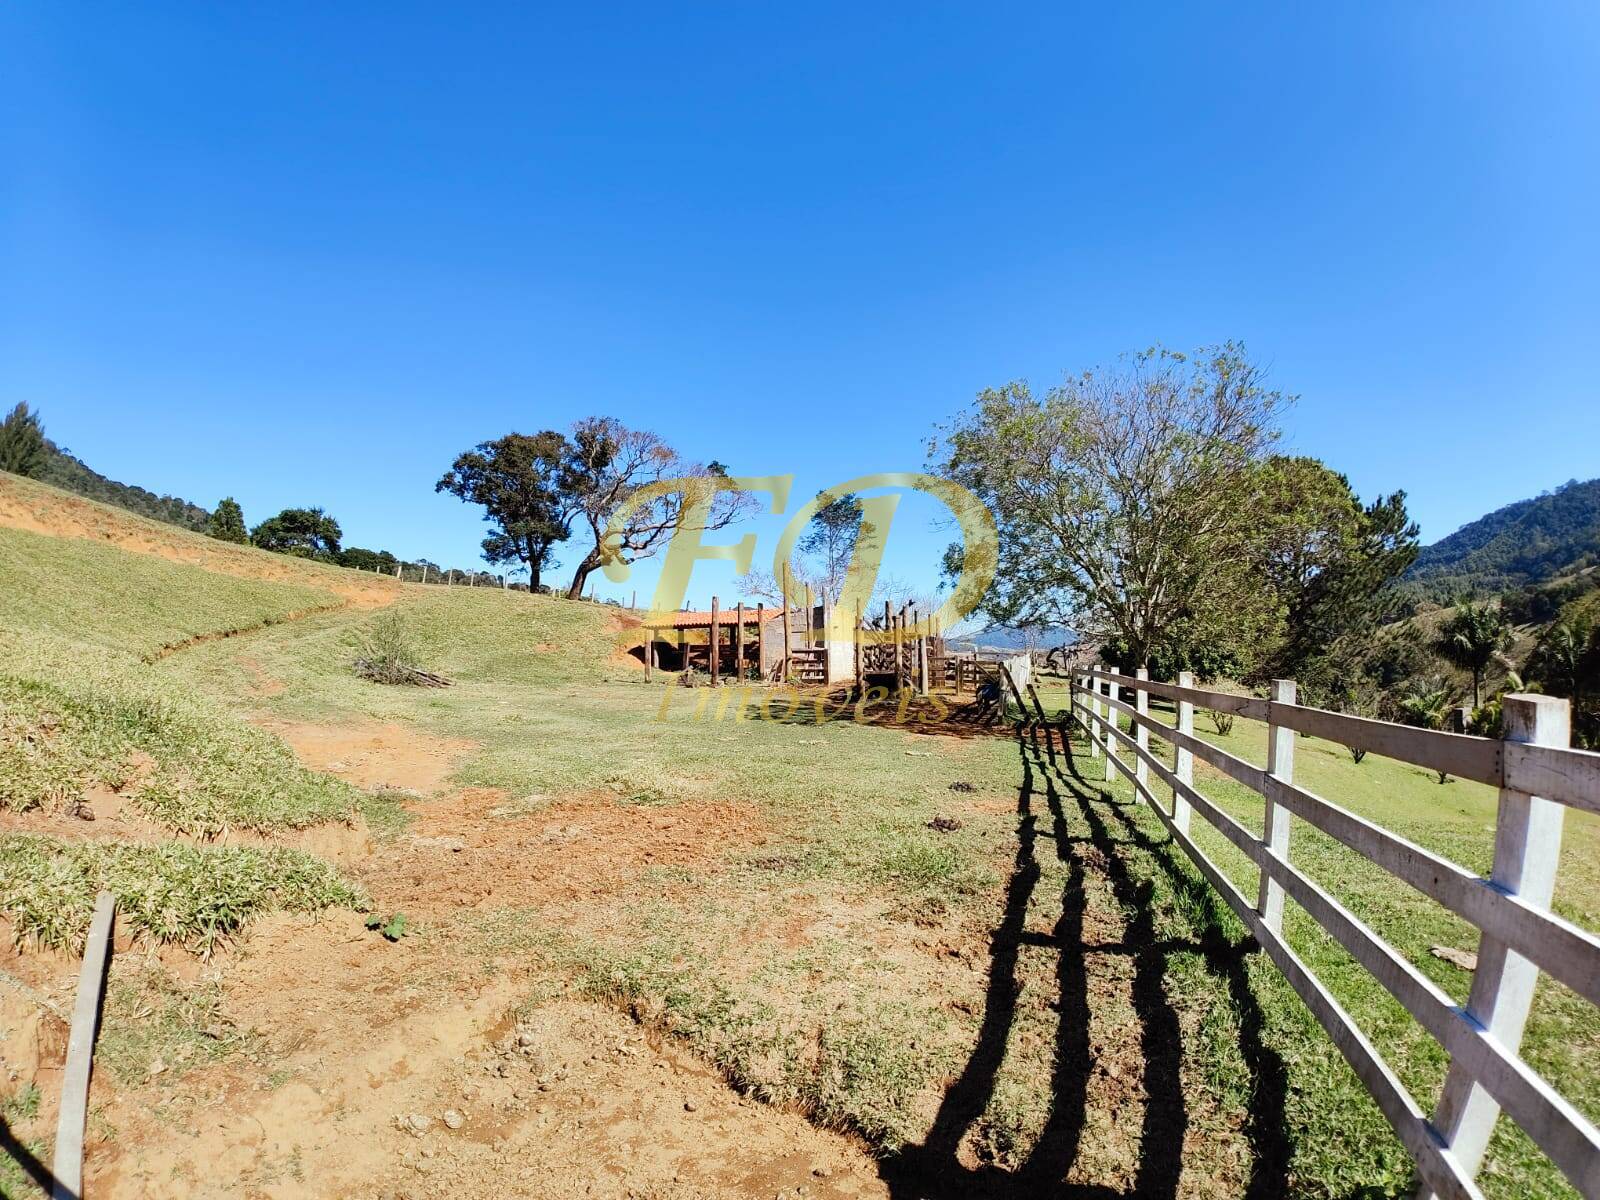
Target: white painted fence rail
x: 1538, y: 776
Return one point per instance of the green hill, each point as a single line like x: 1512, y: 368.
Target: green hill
x: 73, y: 475
x: 1529, y: 542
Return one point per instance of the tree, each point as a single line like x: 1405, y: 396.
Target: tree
x: 1121, y: 500
x: 305, y: 532
x: 1471, y: 638
x: 1428, y: 707
x: 1330, y: 562
x: 1566, y: 662
x: 227, y: 523
x: 608, y: 468
x: 358, y: 558
x: 22, y: 444
x: 830, y: 538
x: 521, y: 480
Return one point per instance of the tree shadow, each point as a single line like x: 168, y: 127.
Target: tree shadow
x: 1052, y: 789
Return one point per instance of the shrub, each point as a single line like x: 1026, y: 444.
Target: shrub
x: 388, y: 652
x: 1223, y: 721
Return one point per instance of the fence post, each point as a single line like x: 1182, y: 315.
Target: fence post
x: 1091, y: 695
x: 1527, y: 850
x: 1141, y: 737
x: 1111, y: 738
x: 1183, y: 759
x: 1280, y: 765
x: 716, y: 644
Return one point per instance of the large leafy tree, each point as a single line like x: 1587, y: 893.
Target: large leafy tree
x: 227, y: 522
x: 1122, y: 500
x: 523, y: 483
x: 1329, y: 561
x: 607, y: 471
x: 306, y: 532
x: 1470, y: 638
x: 22, y: 444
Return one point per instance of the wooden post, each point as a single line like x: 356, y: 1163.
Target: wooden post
x: 1141, y: 737
x: 1183, y: 761
x: 1527, y: 851
x: 900, y: 647
x: 787, y: 652
x: 1111, y: 738
x: 761, y: 641
x: 1280, y: 765
x: 74, y: 1112
x: 922, y: 661
x: 855, y: 635
x: 649, y: 650
x: 738, y: 643
x: 716, y: 644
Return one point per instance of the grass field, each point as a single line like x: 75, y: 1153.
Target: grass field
x: 960, y: 946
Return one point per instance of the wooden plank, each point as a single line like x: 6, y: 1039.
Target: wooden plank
x: 1556, y: 773
x: 1251, y: 707
x: 1454, y: 753
x: 74, y: 1114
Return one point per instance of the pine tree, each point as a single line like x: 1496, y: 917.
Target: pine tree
x: 22, y: 446
x: 227, y: 523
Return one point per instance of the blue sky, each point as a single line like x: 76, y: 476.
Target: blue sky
x: 304, y: 254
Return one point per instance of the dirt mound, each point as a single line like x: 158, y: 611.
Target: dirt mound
x: 37, y: 508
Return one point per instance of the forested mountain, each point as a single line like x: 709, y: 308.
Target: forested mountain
x: 65, y: 471
x: 1523, y: 543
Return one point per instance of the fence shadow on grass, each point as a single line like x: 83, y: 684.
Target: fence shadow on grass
x: 1053, y: 791
x: 814, y: 707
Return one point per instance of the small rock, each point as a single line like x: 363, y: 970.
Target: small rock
x: 453, y: 1119
x: 690, y: 1106
x: 419, y: 1124
x: 157, y: 1065
x: 526, y: 1038
x: 1464, y: 959
x: 821, y: 1172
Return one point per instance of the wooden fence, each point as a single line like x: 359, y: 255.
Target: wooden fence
x: 1538, y: 777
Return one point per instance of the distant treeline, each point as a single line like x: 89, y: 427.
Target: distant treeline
x: 71, y: 474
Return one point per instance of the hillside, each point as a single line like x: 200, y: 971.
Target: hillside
x: 73, y: 475
x: 1524, y: 543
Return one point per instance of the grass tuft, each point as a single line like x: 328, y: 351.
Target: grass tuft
x: 196, y: 896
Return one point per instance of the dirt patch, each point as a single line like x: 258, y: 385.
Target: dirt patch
x: 382, y: 1073
x: 374, y: 754
x: 462, y: 853
x: 36, y: 508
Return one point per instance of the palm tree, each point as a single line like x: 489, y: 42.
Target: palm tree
x: 1471, y: 638
x: 1427, y: 707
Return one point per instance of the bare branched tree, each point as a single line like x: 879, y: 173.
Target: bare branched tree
x: 613, y: 470
x: 1121, y: 497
